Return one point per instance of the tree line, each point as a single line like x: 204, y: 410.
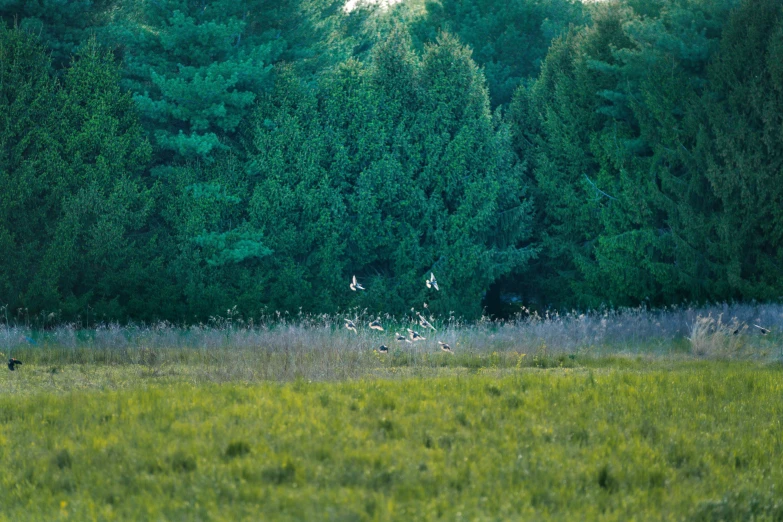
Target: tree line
x: 172, y: 159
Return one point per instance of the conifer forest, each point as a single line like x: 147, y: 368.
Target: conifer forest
x: 173, y: 159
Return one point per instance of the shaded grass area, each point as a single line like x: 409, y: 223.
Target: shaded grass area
x: 653, y: 439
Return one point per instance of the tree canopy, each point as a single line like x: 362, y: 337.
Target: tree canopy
x: 174, y: 159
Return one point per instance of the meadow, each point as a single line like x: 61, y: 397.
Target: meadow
x: 635, y: 414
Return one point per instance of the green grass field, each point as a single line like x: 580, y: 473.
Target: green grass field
x: 608, y: 439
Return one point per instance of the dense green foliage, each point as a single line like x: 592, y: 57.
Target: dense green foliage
x: 637, y: 133
x: 176, y: 158
x: 416, y: 173
x: 72, y: 178
x: 692, y: 441
x: 509, y: 39
x: 196, y: 68
x: 62, y: 26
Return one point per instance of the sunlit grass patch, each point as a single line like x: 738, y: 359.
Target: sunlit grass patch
x: 656, y: 440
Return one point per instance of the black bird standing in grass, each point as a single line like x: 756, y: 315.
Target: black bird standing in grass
x: 12, y: 363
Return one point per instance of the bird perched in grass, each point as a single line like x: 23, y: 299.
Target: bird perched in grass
x: 415, y: 336
x: 376, y: 325
x: 445, y: 347
x: 431, y: 283
x: 13, y: 363
x: 383, y: 349
x: 400, y: 338
x: 424, y: 323
x: 764, y: 331
x: 355, y: 285
x: 350, y: 325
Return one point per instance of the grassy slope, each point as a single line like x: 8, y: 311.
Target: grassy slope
x: 701, y: 440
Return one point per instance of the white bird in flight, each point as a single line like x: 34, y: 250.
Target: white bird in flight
x: 424, y: 323
x: 431, y: 283
x: 764, y: 331
x: 355, y: 285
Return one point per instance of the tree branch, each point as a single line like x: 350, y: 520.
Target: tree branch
x: 599, y: 190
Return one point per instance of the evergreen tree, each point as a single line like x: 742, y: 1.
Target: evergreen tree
x: 295, y: 201
x: 740, y: 152
x: 509, y: 39
x: 27, y: 148
x: 196, y: 67
x: 104, y: 203
x: 72, y: 160
x: 388, y: 171
x: 212, y: 253
x: 554, y: 123
x: 476, y: 195
x: 659, y: 78
x: 194, y: 71
x: 605, y: 126
x: 61, y: 26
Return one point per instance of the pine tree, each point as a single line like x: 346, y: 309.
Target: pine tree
x: 103, y: 201
x: 194, y: 71
x: 659, y: 75
x: 61, y: 26
x: 72, y: 164
x: 213, y: 255
x: 27, y: 148
x: 388, y: 170
x: 295, y: 202
x: 741, y: 154
x: 509, y: 39
x: 474, y: 184
x: 554, y: 122
x: 605, y: 127
x: 197, y: 67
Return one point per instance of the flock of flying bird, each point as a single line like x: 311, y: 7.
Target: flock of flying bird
x: 413, y: 336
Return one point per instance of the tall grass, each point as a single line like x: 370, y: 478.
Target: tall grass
x: 283, y: 346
